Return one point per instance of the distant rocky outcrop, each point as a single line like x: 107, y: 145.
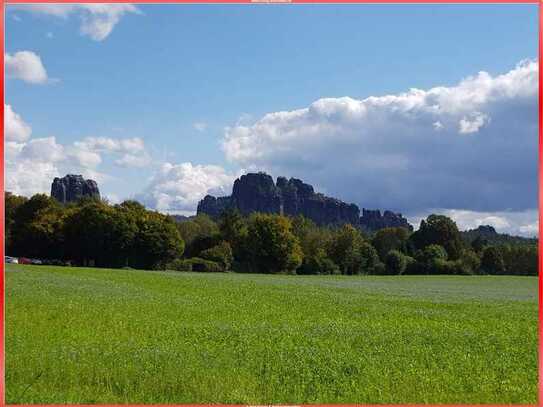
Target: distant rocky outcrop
x: 373, y: 220
x: 490, y: 236
x: 73, y: 187
x: 257, y: 192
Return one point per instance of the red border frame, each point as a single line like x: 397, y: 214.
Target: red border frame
x: 540, y: 173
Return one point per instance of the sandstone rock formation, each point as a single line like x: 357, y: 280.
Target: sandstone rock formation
x: 373, y: 220
x: 73, y: 187
x: 256, y: 192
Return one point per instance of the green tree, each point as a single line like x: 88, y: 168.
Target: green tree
x: 520, y: 259
x: 157, y: 241
x: 388, y: 239
x: 199, y: 233
x: 26, y: 237
x: 11, y: 204
x: 89, y: 233
x: 478, y: 244
x: 440, y: 230
x: 233, y: 229
x: 492, y: 260
x: 318, y: 263
x: 430, y: 257
x: 350, y: 252
x: 272, y: 246
x: 395, y: 262
x: 470, y: 262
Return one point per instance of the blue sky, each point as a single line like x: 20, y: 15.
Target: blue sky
x: 175, y: 76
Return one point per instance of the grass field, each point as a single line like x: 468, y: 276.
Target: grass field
x: 76, y: 335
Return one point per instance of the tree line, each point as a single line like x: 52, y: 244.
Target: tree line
x: 94, y: 233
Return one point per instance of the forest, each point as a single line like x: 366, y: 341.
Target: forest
x: 92, y: 232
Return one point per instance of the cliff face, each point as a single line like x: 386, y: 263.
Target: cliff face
x: 73, y: 187
x: 258, y: 193
x: 373, y: 220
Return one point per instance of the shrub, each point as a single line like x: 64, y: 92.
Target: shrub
x: 195, y: 264
x: 379, y: 269
x: 221, y: 253
x: 318, y: 264
x: 412, y: 266
x: 205, y: 266
x: 202, y: 243
x: 428, y: 257
x: 179, y: 265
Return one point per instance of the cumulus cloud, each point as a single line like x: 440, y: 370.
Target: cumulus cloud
x: 26, y: 66
x: 473, y: 124
x: 41, y: 148
x: 409, y: 151
x: 84, y: 158
x: 132, y: 150
x: 134, y: 161
x: 177, y: 188
x: 31, y: 164
x: 107, y: 144
x: 15, y: 128
x: 97, y: 20
x: 28, y: 177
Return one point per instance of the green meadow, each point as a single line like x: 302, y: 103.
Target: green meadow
x: 83, y: 335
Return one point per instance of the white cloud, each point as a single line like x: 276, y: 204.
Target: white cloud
x: 134, y: 161
x: 107, y: 144
x: 84, y: 158
x: 29, y: 177
x: 473, y: 124
x: 97, y: 20
x: 132, y: 151
x: 12, y: 149
x: 31, y: 164
x: 26, y: 66
x: 200, y: 126
x: 43, y: 148
x: 177, y: 188
x: 100, y: 177
x: 15, y: 128
x: 383, y: 152
x: 531, y: 229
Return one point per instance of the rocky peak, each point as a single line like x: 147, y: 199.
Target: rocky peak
x: 73, y: 187
x: 486, y: 230
x: 372, y: 220
x: 256, y: 192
